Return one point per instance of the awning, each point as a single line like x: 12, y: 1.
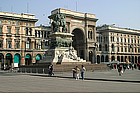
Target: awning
x: 27, y: 56
x: 38, y: 57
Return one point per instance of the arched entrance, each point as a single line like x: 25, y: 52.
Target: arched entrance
x: 28, y: 59
x: 98, y: 59
x: 78, y: 42
x: 106, y: 58
x: 118, y: 58
x: 38, y: 57
x: 17, y: 58
x: 1, y: 61
x: 102, y: 58
x: 9, y: 59
x: 112, y: 58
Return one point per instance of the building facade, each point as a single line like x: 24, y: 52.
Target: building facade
x: 23, y: 43
x: 20, y: 40
x: 117, y: 44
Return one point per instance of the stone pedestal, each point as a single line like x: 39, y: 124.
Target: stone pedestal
x: 61, y: 49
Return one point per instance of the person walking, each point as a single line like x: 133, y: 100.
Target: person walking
x: 83, y: 69
x: 77, y: 71
x: 51, y: 70
x: 120, y: 71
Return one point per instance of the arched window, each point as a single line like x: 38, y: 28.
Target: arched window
x: 106, y: 48
x: 112, y: 58
x: 113, y: 48
x: 98, y: 59
x: 90, y: 34
x: 106, y: 58
x: 100, y: 47
x: 102, y: 58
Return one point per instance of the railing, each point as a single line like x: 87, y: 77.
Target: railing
x: 33, y: 70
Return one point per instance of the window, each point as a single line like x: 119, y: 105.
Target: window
x: 30, y: 31
x: 106, y: 48
x: 35, y: 33
x: 118, y: 49
x: 125, y: 49
x: 28, y: 43
x: 45, y: 34
x: 128, y: 40
x: 17, y: 31
x: 27, y: 31
x: 1, y: 44
x: 17, y: 44
x: 131, y: 40
x: 139, y: 49
x: 0, y: 29
x: 121, y: 49
x: 100, y: 47
x: 121, y: 39
x: 113, y: 48
x: 39, y: 34
x: 136, y: 50
x: 90, y: 34
x: 9, y: 44
x: 9, y: 30
x: 125, y: 40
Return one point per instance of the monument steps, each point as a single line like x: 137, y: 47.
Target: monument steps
x: 63, y: 67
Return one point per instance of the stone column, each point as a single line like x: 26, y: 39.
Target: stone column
x: 23, y: 52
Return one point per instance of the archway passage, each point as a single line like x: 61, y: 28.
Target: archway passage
x: 1, y: 61
x: 38, y: 58
x: 106, y: 58
x: 98, y: 59
x: 78, y: 42
x: 28, y: 59
x: 17, y: 59
x: 9, y: 60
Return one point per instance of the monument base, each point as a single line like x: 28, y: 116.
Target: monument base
x: 62, y: 55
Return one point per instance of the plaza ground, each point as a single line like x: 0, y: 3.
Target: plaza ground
x: 62, y: 82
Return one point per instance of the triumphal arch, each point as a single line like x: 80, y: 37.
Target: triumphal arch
x: 83, y: 28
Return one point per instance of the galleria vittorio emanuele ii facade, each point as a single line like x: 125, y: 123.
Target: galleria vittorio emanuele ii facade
x: 24, y: 43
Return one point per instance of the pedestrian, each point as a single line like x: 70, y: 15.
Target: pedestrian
x: 83, y: 69
x: 74, y: 73
x: 120, y: 71
x: 51, y: 70
x: 77, y: 72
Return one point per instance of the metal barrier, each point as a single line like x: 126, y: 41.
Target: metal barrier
x: 33, y: 70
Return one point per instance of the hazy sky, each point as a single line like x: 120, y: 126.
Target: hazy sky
x: 123, y: 13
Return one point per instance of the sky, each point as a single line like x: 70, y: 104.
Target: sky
x: 122, y: 13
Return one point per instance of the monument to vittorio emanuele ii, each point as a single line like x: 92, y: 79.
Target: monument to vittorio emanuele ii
x: 73, y: 36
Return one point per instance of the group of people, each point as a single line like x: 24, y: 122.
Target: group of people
x: 77, y: 71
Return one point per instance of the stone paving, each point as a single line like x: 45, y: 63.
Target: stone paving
x: 62, y: 82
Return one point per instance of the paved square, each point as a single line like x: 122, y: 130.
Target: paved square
x: 95, y: 82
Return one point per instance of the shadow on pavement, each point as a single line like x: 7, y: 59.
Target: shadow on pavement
x: 97, y: 79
